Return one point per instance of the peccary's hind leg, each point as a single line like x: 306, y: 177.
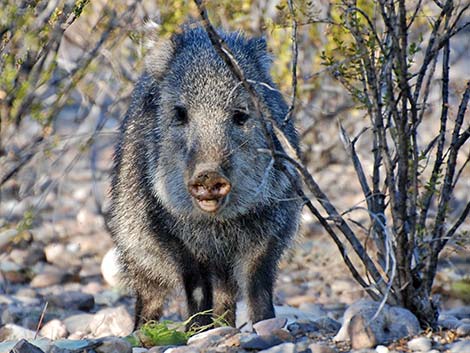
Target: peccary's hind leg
x: 198, y: 288
x: 149, y: 305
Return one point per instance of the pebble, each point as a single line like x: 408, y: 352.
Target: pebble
x: 254, y: 341
x: 381, y: 349
x: 390, y: 324
x: 281, y: 348
x: 139, y: 350
x: 54, y: 330
x: 112, y: 322
x: 114, y: 345
x: 78, y: 322
x: 301, y: 327
x: 72, y: 301
x: 463, y: 330
x: 448, y: 321
x: 462, y: 312
x: 12, y: 332
x: 219, y: 333
x: 159, y: 349
x: 327, y: 324
x: 460, y: 347
x: 321, y: 348
x: 422, y: 344
x: 183, y: 349
x: 48, y: 279
x: 265, y: 327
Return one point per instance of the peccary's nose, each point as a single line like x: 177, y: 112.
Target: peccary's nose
x: 209, y: 185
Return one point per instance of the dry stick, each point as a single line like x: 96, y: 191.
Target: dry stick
x: 226, y: 55
x: 295, y: 55
x: 24, y: 160
x: 370, y: 200
x: 446, y: 190
x: 41, y: 318
x: 342, y: 249
x: 456, y: 225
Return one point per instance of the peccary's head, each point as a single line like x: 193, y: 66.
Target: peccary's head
x: 208, y: 161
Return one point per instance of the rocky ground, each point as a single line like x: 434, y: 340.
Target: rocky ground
x: 53, y: 291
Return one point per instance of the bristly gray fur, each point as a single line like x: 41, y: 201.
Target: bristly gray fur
x: 162, y: 238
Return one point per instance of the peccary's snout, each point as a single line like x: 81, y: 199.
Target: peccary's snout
x: 209, y: 188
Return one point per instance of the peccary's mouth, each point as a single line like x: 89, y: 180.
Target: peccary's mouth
x: 210, y: 205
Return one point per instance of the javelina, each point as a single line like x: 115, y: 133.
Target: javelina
x: 194, y: 200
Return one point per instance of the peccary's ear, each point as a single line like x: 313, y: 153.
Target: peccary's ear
x: 260, y: 53
x: 159, y: 56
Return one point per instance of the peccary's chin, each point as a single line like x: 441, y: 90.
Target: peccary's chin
x: 209, y: 187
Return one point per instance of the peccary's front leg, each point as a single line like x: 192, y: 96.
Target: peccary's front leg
x: 225, y: 295
x: 148, y: 305
x: 260, y: 272
x: 198, y: 288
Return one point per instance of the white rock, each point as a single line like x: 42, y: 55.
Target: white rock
x: 219, y: 332
x: 266, y: 327
x: 54, y: 330
x: 381, y: 349
x: 12, y: 332
x: 422, y: 344
x: 114, y: 345
x: 281, y: 348
x: 112, y: 322
x: 79, y: 323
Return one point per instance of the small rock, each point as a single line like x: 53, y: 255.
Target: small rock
x: 265, y: 327
x: 462, y: 312
x: 382, y: 349
x: 420, y: 344
x: 72, y: 345
x: 321, y: 348
x: 139, y: 350
x: 113, y: 345
x: 327, y: 324
x: 281, y: 348
x: 24, y: 346
x: 460, y: 347
x: 48, y: 279
x: 78, y: 323
x: 159, y: 349
x: 254, y: 341
x: 7, y: 235
x: 12, y: 332
x: 183, y: 349
x: 110, y: 268
x: 283, y: 335
x: 448, y: 321
x: 463, y: 330
x: 72, y: 300
x: 54, y: 330
x: 389, y: 324
x: 301, y: 327
x: 58, y: 255
x: 218, y: 333
x: 112, y: 322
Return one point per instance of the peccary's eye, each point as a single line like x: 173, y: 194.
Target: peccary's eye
x: 240, y: 118
x: 181, y: 115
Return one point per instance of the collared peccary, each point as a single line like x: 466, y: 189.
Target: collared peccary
x: 195, y: 199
